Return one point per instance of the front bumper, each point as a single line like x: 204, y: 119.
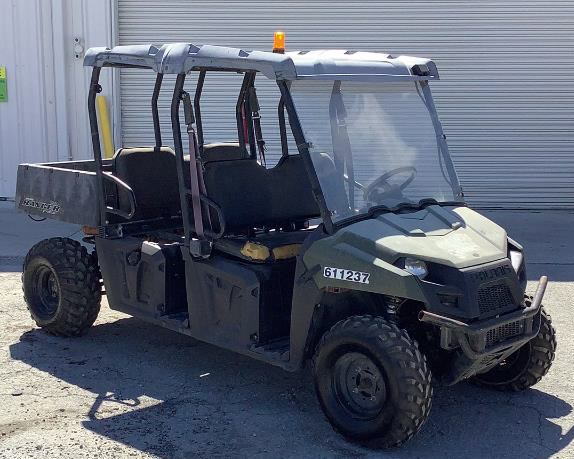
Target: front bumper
x: 486, y: 342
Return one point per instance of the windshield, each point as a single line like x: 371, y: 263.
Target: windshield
x: 373, y: 145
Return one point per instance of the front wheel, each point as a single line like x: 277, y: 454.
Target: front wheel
x: 528, y: 365
x: 61, y: 284
x: 372, y: 381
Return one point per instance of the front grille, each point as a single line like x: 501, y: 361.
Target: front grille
x: 493, y: 298
x: 503, y: 332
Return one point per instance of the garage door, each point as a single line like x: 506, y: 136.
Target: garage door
x: 505, y: 97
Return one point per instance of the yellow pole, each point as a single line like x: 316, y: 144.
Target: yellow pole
x: 105, y: 128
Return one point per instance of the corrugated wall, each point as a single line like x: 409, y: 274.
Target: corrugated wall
x: 506, y: 97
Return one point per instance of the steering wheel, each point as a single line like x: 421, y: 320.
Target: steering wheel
x: 381, y: 187
x: 356, y: 184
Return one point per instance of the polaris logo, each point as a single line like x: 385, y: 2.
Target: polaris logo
x: 46, y: 207
x: 490, y: 274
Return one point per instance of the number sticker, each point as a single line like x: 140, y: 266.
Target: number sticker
x: 346, y: 275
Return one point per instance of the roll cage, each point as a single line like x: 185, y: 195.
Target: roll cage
x: 246, y: 126
x: 181, y: 59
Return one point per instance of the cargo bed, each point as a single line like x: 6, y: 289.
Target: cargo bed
x: 64, y: 191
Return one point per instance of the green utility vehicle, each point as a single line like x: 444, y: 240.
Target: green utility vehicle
x: 354, y: 253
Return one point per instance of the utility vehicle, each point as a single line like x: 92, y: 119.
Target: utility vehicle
x: 355, y: 252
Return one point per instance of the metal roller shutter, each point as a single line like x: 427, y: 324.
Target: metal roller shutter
x: 506, y: 97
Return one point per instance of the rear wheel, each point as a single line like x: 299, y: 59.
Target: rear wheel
x: 528, y: 365
x: 372, y: 381
x: 61, y: 284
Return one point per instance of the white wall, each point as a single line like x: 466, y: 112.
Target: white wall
x: 45, y: 116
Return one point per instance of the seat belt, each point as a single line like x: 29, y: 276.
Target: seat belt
x: 196, y: 177
x: 254, y: 107
x: 343, y: 156
x: 244, y: 124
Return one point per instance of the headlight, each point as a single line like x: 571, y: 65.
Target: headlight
x: 516, y: 258
x: 416, y: 267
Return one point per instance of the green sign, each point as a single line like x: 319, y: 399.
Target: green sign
x: 3, y: 94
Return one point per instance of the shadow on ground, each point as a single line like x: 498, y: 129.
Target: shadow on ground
x: 168, y: 395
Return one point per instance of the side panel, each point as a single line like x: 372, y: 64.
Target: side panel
x: 60, y: 194
x: 141, y: 278
x: 383, y: 277
x: 223, y: 298
x: 306, y: 297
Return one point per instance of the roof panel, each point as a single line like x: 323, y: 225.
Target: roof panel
x: 321, y: 64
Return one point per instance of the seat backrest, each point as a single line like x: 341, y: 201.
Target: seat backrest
x: 239, y: 188
x: 151, y: 173
x: 332, y: 183
x: 252, y: 196
x: 215, y: 152
x: 223, y: 152
x: 292, y: 195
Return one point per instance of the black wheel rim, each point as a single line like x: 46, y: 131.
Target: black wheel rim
x: 359, y: 385
x: 47, y: 292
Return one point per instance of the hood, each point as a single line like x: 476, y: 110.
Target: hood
x: 452, y: 236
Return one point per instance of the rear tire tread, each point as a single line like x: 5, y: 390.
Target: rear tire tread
x: 79, y: 277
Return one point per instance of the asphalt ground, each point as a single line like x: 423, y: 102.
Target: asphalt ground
x: 130, y: 389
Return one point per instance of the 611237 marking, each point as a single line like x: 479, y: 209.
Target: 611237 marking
x: 346, y: 275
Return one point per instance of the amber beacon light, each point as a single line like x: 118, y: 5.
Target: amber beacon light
x: 279, y: 43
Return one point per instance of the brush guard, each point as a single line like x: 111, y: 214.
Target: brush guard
x: 486, y: 342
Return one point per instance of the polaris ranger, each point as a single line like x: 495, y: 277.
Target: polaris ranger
x: 355, y: 252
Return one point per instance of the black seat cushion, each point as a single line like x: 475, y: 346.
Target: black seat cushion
x: 252, y: 196
x: 151, y: 173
